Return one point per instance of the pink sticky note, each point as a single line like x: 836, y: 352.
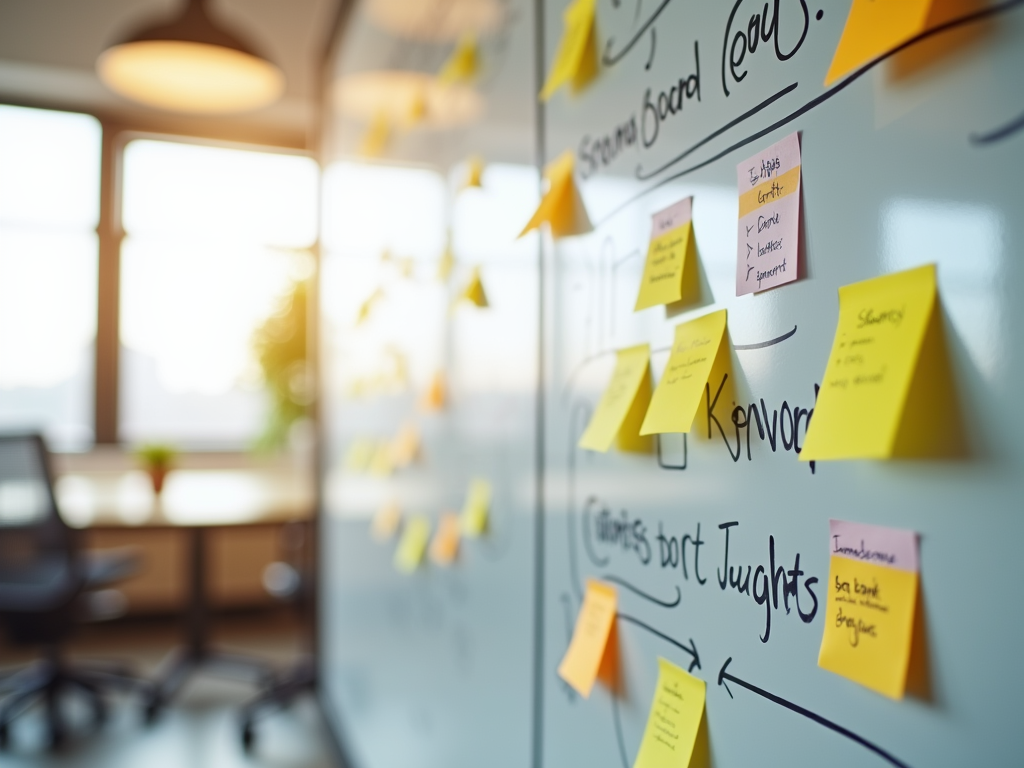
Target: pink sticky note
x: 673, y: 217
x: 769, y: 227
x: 891, y: 547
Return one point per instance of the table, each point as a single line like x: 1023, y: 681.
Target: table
x: 195, y: 501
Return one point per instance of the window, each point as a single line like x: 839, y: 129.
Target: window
x: 215, y: 240
x: 49, y: 211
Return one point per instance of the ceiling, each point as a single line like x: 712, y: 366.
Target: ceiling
x: 48, y: 49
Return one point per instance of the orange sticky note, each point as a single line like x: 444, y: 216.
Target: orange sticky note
x: 583, y: 659
x: 561, y: 208
x: 445, y: 544
x: 873, y: 28
x: 433, y: 398
x: 386, y: 521
x: 406, y: 445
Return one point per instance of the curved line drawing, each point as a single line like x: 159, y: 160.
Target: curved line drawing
x: 692, y: 650
x: 769, y: 343
x: 654, y: 46
x: 609, y: 59
x: 663, y: 603
x: 587, y: 544
x: 998, y: 134
x: 985, y: 13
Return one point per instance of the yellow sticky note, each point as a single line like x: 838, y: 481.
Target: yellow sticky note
x: 677, y: 397
x: 874, y: 28
x: 575, y: 61
x: 671, y: 246
x: 406, y: 445
x: 464, y: 63
x: 474, y: 291
x: 377, y: 136
x: 474, y: 172
x: 366, y: 308
x: 446, y: 263
x: 582, y: 660
x: 620, y: 413
x: 359, y: 455
x: 445, y: 544
x: 477, y: 508
x: 674, y: 719
x: 382, y: 464
x: 882, y: 324
x: 433, y: 397
x: 412, y: 545
x: 417, y: 110
x: 386, y: 521
x: 561, y: 208
x: 869, y: 613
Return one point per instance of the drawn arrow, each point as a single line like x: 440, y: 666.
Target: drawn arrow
x: 690, y: 649
x: 723, y: 676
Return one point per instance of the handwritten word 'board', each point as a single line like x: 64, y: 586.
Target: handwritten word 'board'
x: 477, y: 508
x: 677, y: 397
x: 674, y: 719
x: 882, y: 324
x: 561, y: 208
x: 869, y: 614
x: 874, y: 28
x: 769, y: 226
x: 671, y: 246
x: 445, y: 544
x: 412, y: 545
x: 583, y: 659
x: 620, y: 413
x: 575, y: 61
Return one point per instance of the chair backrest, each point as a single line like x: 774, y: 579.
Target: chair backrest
x: 31, y: 528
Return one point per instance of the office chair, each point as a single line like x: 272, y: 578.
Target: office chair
x: 45, y: 586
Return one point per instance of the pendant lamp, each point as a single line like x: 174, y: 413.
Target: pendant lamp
x: 190, y: 64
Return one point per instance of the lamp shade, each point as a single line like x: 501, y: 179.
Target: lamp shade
x: 190, y: 65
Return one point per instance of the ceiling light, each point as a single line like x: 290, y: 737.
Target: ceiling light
x: 190, y: 65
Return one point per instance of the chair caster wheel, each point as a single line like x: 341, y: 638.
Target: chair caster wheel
x: 248, y: 737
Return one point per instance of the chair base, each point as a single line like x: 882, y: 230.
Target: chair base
x: 49, y: 681
x: 278, y: 695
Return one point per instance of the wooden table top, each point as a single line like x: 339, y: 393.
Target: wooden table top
x: 190, y: 498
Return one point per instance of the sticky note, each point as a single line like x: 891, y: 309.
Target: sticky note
x: 382, y: 464
x: 417, y: 110
x: 406, y: 445
x: 473, y: 292
x: 433, y: 397
x: 445, y: 545
x: 359, y: 455
x: 377, y: 136
x: 366, y: 308
x: 474, y: 172
x: 464, y: 63
x: 477, y: 508
x: 678, y: 394
x: 582, y: 660
x: 673, y: 720
x: 769, y: 226
x: 412, y: 545
x: 671, y: 246
x: 386, y: 521
x: 561, y: 208
x: 575, y: 60
x: 869, y: 613
x: 882, y: 324
x: 446, y: 263
x: 621, y: 410
x: 874, y: 28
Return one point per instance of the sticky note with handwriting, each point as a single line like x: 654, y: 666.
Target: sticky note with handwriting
x: 677, y: 396
x: 561, y: 208
x: 671, y: 246
x: 412, y: 545
x: 477, y: 508
x: 575, y: 60
x: 621, y: 410
x: 769, y: 226
x: 445, y: 544
x: 882, y: 324
x: 673, y: 720
x: 582, y: 660
x: 874, y: 28
x: 386, y: 521
x: 869, y: 613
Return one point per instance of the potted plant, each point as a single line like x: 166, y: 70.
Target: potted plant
x: 157, y: 460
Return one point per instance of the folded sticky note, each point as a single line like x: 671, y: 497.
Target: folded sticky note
x: 447, y: 261
x: 477, y: 508
x: 674, y: 719
x: 433, y: 397
x: 769, y: 226
x: 869, y: 613
x: 368, y: 304
x: 561, y: 208
x: 359, y: 455
x: 874, y: 28
x: 464, y: 63
x: 575, y: 61
x: 671, y: 247
x: 386, y: 521
x: 473, y: 292
x: 377, y: 136
x: 677, y: 397
x: 406, y: 445
x: 474, y: 172
x: 582, y: 660
x: 445, y: 544
x: 412, y: 545
x: 622, y: 408
x: 882, y: 324
x: 383, y: 463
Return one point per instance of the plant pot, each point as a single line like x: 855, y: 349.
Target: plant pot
x: 157, y: 475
